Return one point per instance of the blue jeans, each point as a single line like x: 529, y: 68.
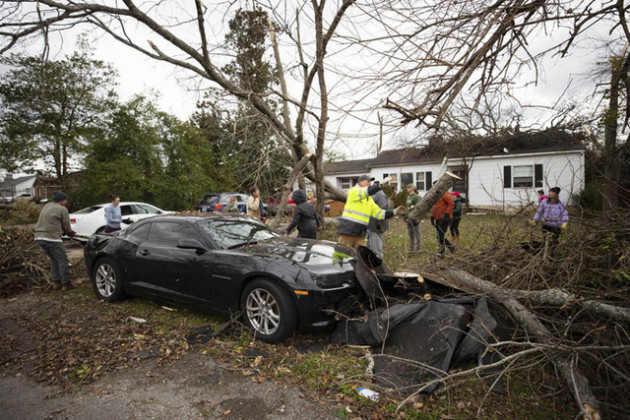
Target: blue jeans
x: 415, y: 240
x: 59, y: 267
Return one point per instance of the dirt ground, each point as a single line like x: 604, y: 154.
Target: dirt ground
x: 194, y: 385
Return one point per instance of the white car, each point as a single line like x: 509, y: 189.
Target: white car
x: 90, y: 220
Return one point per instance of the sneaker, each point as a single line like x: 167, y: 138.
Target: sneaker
x: 56, y: 286
x: 68, y: 286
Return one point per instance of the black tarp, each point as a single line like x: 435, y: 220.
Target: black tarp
x: 414, y: 344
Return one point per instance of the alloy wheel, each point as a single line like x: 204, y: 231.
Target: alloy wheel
x: 106, y: 280
x: 263, y: 311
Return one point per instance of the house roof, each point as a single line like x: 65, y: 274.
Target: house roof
x: 415, y: 155
x: 408, y: 155
x: 347, y: 166
x: 13, y: 182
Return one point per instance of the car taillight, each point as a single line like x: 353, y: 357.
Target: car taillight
x: 217, y: 207
x: 73, y: 220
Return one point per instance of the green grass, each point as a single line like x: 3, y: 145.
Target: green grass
x: 476, y: 232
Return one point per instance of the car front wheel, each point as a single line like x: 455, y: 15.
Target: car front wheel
x: 269, y: 311
x: 107, y: 280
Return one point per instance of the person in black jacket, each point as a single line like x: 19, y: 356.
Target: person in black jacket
x: 304, y: 217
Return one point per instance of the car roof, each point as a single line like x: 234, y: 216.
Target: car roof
x: 122, y: 203
x: 125, y: 203
x: 193, y: 218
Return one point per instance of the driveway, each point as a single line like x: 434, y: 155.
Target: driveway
x: 194, y: 385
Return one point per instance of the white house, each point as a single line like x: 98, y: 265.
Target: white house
x: 10, y: 187
x: 495, y: 180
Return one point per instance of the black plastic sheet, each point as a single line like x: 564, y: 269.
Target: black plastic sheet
x: 415, y: 344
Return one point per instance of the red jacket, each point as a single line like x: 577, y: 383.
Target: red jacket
x: 444, y: 205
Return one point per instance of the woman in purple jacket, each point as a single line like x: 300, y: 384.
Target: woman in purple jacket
x: 553, y: 215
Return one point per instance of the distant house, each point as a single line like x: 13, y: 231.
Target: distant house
x: 489, y: 180
x: 46, y: 185
x: 15, y: 187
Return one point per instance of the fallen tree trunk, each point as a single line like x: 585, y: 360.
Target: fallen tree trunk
x: 562, y: 298
x: 577, y: 382
x: 438, y: 189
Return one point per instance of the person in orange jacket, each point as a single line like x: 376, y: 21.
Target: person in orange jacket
x: 441, y: 215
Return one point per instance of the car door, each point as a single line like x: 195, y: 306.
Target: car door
x: 127, y: 214
x: 159, y: 266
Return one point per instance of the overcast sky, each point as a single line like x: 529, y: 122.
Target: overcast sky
x: 349, y: 135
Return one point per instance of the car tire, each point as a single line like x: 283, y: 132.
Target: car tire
x: 269, y: 311
x: 107, y: 280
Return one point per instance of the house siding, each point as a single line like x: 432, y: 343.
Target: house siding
x: 564, y: 169
x: 486, y: 186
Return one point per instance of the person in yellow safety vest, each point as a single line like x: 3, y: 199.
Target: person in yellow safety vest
x: 357, y: 212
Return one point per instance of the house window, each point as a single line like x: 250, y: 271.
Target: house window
x: 423, y: 180
x: 460, y: 184
x: 347, y: 183
x: 394, y: 182
x: 523, y: 176
x: 420, y: 181
x: 406, y: 178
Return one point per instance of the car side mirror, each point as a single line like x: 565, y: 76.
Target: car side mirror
x: 127, y: 221
x: 189, y: 243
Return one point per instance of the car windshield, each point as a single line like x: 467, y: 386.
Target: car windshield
x: 146, y: 209
x: 88, y: 210
x: 230, y: 233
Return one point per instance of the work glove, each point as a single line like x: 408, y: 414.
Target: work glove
x: 432, y: 221
x: 564, y: 226
x: 446, y: 216
x: 389, y: 214
x: 532, y: 223
x: 374, y: 188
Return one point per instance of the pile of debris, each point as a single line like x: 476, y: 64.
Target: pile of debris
x: 22, y: 263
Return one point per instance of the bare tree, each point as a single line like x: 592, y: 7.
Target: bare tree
x: 183, y: 37
x: 433, y: 54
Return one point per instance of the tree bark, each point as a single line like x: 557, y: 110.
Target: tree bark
x: 438, y: 189
x: 286, y: 188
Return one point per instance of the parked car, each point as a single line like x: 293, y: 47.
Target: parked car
x: 11, y: 199
x: 219, y: 202
x: 274, y: 204
x: 90, y: 220
x: 225, y: 264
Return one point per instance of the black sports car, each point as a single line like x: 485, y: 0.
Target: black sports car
x: 226, y: 264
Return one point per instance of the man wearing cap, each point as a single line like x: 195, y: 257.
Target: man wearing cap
x: 357, y: 212
x: 553, y: 215
x: 53, y: 222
